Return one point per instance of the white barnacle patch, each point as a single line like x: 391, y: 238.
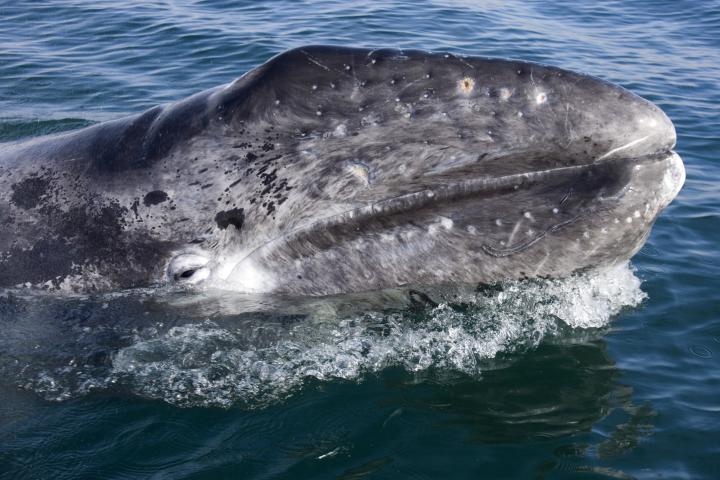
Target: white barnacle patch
x: 319, y: 113
x: 541, y: 98
x: 529, y: 216
x: 505, y: 94
x: 360, y: 171
x: 498, y: 222
x: 628, y: 220
x: 471, y: 230
x: 466, y: 85
x: 442, y: 223
x: 314, y: 87
x: 636, y: 214
x: 340, y: 131
x: 555, y: 211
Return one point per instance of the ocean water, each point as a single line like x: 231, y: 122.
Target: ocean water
x: 611, y: 374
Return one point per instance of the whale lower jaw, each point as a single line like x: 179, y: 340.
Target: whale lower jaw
x: 547, y: 223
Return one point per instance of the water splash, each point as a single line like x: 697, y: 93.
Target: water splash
x: 158, y: 347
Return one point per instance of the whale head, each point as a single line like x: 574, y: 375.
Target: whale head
x: 329, y: 170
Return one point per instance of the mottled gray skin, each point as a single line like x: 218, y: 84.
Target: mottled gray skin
x: 330, y: 170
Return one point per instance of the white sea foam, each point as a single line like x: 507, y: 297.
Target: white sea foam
x: 214, y: 364
x: 219, y: 349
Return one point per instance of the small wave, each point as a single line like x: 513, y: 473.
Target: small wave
x: 162, y: 349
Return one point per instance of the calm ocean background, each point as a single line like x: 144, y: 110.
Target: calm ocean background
x: 592, y: 377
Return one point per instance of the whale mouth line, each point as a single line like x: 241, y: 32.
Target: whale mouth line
x: 453, y: 192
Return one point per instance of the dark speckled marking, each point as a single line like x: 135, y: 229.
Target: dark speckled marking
x: 235, y: 217
x: 155, y: 197
x: 28, y: 193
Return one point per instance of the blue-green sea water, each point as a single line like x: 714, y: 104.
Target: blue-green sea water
x: 612, y: 374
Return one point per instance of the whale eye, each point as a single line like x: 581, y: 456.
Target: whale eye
x: 188, y: 268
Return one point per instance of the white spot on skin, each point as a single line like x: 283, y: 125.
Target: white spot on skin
x: 498, y: 222
x: 628, y: 220
x: 555, y: 211
x: 318, y: 113
x: 520, y: 114
x: 471, y: 230
x: 616, y: 221
x: 540, y: 98
x: 466, y: 85
x: 505, y: 94
x: 637, y: 214
x: 340, y: 131
x: 529, y: 216
x: 446, y: 223
x: 586, y: 235
x: 277, y: 102
x: 314, y: 87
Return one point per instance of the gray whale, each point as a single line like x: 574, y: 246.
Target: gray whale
x: 330, y: 170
